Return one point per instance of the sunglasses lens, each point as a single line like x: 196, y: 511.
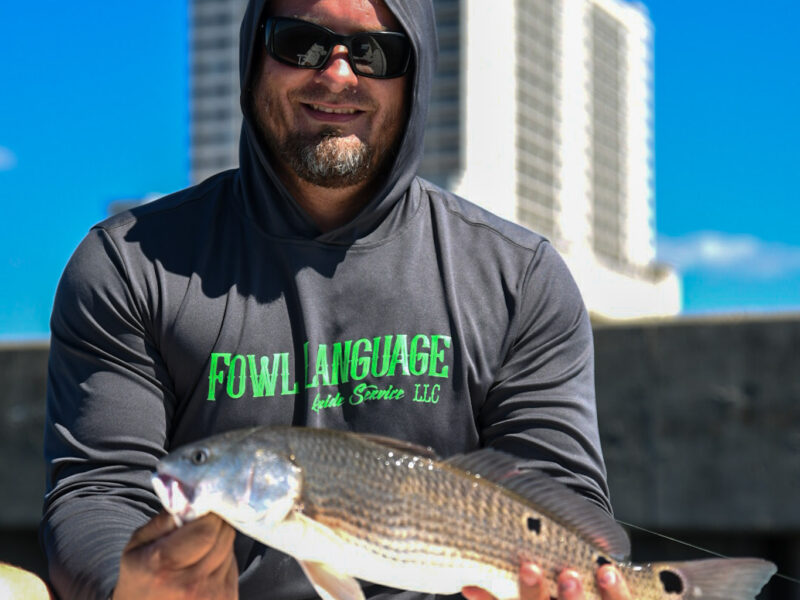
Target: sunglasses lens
x: 300, y: 44
x: 379, y: 55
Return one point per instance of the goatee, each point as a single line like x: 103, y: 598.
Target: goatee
x: 327, y: 159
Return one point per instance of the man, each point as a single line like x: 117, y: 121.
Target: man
x: 321, y: 284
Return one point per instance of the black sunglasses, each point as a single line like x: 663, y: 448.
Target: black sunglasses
x: 378, y: 54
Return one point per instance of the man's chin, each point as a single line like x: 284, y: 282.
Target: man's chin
x: 332, y: 162
x: 333, y: 180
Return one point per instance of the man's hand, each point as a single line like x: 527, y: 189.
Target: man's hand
x: 532, y: 585
x: 193, y: 562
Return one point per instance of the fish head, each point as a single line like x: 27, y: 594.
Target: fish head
x: 238, y: 480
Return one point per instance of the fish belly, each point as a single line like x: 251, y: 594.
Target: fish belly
x: 428, y: 570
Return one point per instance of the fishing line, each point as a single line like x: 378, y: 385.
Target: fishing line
x: 672, y: 539
x: 700, y: 548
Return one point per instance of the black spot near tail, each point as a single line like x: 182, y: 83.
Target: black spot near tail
x: 602, y: 560
x: 535, y: 525
x: 672, y: 582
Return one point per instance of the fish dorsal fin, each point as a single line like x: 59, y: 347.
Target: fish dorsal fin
x: 549, y: 496
x: 400, y: 445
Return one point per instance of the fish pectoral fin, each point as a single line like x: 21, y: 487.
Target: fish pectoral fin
x: 330, y: 584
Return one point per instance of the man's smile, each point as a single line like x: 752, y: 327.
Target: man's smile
x: 331, y: 113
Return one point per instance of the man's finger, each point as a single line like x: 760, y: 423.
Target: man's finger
x: 217, y: 555
x: 155, y: 528
x: 612, y: 585
x: 569, y: 585
x: 476, y: 593
x: 190, y: 543
x: 228, y: 574
x: 218, y: 571
x: 532, y: 584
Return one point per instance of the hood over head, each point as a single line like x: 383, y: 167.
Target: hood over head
x: 268, y: 202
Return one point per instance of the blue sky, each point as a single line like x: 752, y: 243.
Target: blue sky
x: 727, y: 77
x: 94, y: 108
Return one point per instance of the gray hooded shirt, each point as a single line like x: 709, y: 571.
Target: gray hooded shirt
x: 222, y: 306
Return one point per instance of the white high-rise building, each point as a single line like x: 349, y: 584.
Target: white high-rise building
x: 546, y: 119
x: 558, y: 135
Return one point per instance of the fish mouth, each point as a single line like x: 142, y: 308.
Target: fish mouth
x: 175, y: 495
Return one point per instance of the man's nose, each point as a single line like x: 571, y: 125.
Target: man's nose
x: 337, y: 73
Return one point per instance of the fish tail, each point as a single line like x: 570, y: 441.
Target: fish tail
x: 714, y: 578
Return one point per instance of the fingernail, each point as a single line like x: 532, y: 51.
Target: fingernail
x: 468, y: 593
x: 607, y: 577
x: 567, y: 584
x: 531, y: 575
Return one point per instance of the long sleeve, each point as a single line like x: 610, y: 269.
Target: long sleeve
x: 108, y: 410
x: 542, y: 404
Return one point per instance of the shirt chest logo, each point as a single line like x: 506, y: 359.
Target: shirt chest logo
x: 362, y: 365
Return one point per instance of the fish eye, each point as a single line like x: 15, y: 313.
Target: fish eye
x: 199, y: 456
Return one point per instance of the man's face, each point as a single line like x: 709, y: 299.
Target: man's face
x: 331, y: 127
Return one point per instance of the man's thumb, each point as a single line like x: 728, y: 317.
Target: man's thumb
x: 157, y: 527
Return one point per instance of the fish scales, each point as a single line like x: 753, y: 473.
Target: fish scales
x: 373, y: 497
x: 349, y: 506
x: 400, y: 506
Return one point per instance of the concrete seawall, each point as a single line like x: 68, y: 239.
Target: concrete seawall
x: 700, y: 422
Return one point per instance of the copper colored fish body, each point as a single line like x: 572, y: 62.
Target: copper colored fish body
x: 348, y: 506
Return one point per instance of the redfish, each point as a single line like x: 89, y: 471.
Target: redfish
x: 349, y: 506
